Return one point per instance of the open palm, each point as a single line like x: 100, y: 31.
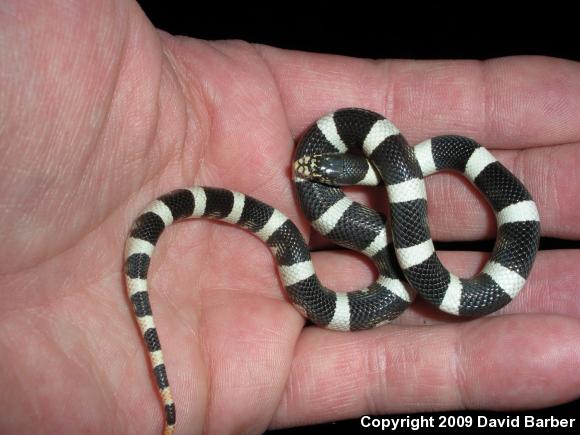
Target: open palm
x: 100, y: 113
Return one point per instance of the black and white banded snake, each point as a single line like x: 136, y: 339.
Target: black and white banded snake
x: 407, y: 262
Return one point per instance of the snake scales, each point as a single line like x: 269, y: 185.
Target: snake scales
x: 407, y: 262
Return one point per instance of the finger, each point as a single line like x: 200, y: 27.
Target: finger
x: 508, y: 362
x: 551, y: 288
x: 457, y: 211
x: 511, y: 102
x: 505, y: 103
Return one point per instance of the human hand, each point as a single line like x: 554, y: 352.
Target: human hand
x: 100, y: 113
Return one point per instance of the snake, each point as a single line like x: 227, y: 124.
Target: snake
x: 354, y: 146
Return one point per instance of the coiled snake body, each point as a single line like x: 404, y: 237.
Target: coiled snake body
x: 406, y: 263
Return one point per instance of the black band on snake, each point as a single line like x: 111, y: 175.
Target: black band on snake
x: 405, y: 256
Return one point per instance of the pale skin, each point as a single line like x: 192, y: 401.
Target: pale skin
x: 100, y: 113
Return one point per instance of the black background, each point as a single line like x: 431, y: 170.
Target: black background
x: 434, y: 30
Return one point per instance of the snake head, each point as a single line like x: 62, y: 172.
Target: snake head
x: 321, y: 168
x: 307, y: 167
